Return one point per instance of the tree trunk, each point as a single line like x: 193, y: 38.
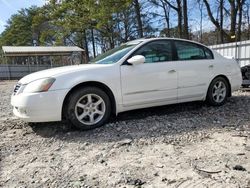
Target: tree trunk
x: 179, y: 18
x: 126, y: 26
x: 111, y: 38
x: 85, y: 44
x: 239, y: 22
x: 233, y: 15
x: 185, y: 20
x: 201, y: 28
x: 215, y: 22
x: 248, y: 22
x: 93, y: 42
x: 240, y: 4
x: 221, y: 21
x: 180, y: 25
x: 166, y: 13
x: 178, y: 9
x: 201, y: 19
x: 138, y: 18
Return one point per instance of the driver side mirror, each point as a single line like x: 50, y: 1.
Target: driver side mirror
x: 136, y: 60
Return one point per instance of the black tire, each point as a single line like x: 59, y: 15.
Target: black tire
x: 211, y: 100
x: 71, y: 111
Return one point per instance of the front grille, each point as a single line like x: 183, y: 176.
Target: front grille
x: 16, y: 88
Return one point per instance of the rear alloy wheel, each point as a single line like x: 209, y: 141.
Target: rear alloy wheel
x: 88, y: 108
x: 218, y: 92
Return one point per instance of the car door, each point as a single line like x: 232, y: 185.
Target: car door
x: 153, y: 82
x: 195, y: 68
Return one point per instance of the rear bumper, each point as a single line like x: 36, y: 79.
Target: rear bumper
x: 39, y: 107
x: 235, y: 81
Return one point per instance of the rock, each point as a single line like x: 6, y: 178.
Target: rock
x: 119, y: 128
x: 136, y: 182
x: 239, y: 167
x: 21, y: 166
x: 247, y: 148
x: 26, y: 133
x: 33, y: 159
x: 68, y: 133
x: 164, y: 179
x: 81, y: 148
x: 81, y: 178
x: 241, y: 154
x: 156, y: 174
x: 86, y: 144
x: 159, y: 166
x: 101, y: 161
x: 171, y: 181
x: 58, y: 149
x: 123, y: 142
x: 76, y: 184
x: 44, y: 180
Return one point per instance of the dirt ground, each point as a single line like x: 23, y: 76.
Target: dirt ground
x: 184, y: 145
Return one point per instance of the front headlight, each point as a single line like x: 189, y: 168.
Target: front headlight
x: 40, y: 85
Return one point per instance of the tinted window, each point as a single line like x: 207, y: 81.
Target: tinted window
x: 157, y: 51
x: 189, y: 51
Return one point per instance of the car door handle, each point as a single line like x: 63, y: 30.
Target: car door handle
x: 211, y: 66
x: 172, y: 71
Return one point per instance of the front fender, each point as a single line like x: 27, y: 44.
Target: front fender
x: 109, y: 77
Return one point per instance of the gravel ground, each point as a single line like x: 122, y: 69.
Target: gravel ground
x: 184, y: 145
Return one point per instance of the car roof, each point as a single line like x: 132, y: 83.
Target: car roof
x: 137, y: 41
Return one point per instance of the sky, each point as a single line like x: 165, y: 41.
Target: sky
x: 9, y: 7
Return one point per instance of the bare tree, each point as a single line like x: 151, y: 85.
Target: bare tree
x: 185, y: 20
x: 200, y: 5
x: 240, y: 4
x: 93, y: 42
x: 138, y: 17
x: 178, y: 9
x: 233, y: 16
x: 221, y: 7
x: 166, y: 10
x: 215, y: 21
x: 248, y: 19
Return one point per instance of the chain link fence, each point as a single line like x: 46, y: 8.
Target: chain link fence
x: 10, y: 72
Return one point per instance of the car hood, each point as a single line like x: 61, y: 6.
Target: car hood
x: 58, y: 71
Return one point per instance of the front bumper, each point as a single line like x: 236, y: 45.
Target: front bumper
x: 39, y: 107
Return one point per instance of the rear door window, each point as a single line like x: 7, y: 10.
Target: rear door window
x: 189, y: 51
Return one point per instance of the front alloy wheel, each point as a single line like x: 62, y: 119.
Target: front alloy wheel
x: 88, y: 108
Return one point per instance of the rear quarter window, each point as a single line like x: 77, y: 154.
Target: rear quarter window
x: 190, y: 51
x: 209, y: 54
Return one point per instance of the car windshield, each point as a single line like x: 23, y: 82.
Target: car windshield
x: 114, y: 55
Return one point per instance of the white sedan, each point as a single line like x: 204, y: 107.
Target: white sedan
x: 139, y: 74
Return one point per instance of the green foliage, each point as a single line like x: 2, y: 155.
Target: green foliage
x: 77, y: 16
x: 42, y: 26
x: 18, y: 31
